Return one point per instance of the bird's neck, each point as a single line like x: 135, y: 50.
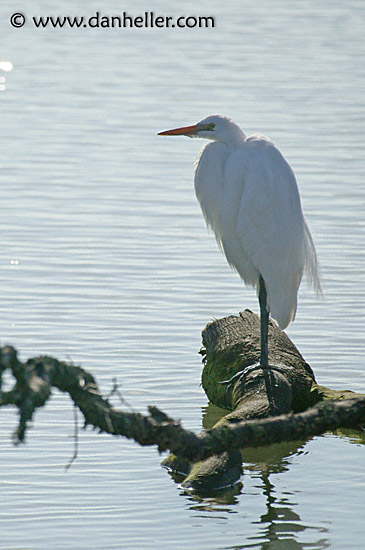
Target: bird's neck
x: 235, y: 138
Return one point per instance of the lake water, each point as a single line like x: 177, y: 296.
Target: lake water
x: 106, y: 261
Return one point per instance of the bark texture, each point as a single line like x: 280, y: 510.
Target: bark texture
x: 265, y: 407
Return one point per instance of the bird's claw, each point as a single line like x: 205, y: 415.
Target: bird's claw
x: 242, y: 373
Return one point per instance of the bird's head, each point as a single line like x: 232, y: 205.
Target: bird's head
x: 215, y: 127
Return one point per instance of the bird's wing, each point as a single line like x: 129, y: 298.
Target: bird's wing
x: 249, y: 197
x: 270, y: 224
x: 208, y: 182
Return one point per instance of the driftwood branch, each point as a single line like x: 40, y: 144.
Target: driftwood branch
x: 33, y: 387
x: 282, y: 404
x: 264, y: 409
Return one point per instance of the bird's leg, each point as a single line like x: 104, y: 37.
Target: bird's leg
x: 264, y: 347
x: 264, y: 350
x: 269, y: 372
x: 264, y: 320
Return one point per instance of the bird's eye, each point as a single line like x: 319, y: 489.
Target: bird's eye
x: 210, y: 127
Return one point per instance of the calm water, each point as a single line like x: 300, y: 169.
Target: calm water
x: 105, y: 261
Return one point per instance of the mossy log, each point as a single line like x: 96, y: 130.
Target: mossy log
x: 232, y: 346
x: 263, y: 405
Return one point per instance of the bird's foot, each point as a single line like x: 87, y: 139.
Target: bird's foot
x: 239, y: 375
x: 243, y: 373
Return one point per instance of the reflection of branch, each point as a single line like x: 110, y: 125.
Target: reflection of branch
x: 36, y: 377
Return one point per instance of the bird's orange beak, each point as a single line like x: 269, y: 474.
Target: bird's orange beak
x: 184, y: 131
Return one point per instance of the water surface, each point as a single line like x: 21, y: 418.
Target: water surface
x: 106, y: 262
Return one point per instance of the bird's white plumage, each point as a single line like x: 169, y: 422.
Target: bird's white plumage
x: 249, y: 197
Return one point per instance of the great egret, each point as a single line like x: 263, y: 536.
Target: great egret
x: 249, y: 197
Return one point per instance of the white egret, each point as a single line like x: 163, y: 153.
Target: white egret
x: 249, y: 197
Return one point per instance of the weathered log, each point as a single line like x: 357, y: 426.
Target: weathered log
x: 232, y: 346
x: 210, y: 460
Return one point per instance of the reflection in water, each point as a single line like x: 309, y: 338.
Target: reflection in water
x: 280, y: 526
x: 116, y: 269
x: 216, y: 503
x: 353, y: 436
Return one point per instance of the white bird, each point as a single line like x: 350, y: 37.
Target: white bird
x: 249, y: 197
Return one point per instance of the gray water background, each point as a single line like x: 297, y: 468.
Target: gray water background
x: 105, y: 261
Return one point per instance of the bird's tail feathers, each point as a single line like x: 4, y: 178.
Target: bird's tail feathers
x: 312, y: 270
